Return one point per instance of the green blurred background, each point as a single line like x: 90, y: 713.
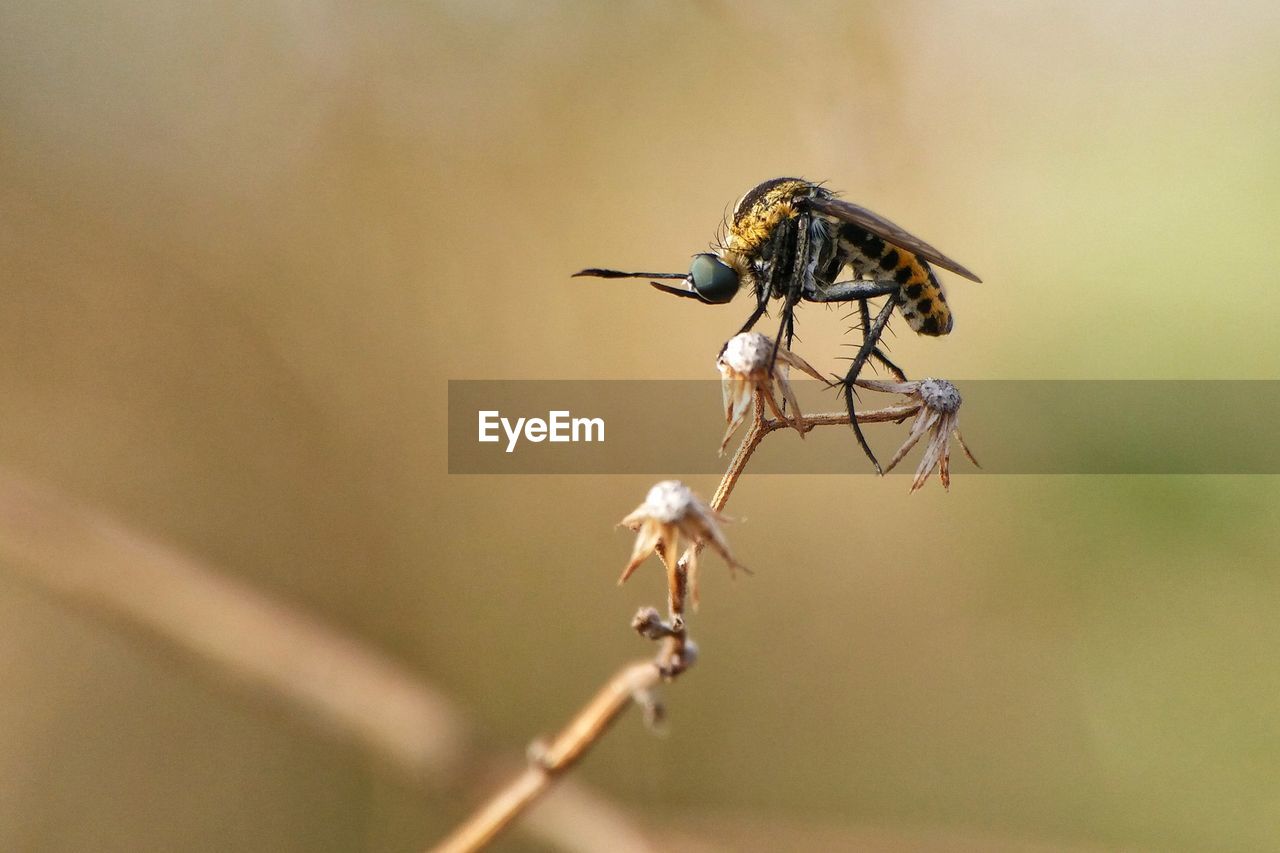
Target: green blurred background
x: 243, y: 246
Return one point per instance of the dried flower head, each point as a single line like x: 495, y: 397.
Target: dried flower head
x: 745, y: 368
x: 939, y: 414
x: 670, y: 511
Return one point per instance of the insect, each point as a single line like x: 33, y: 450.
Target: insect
x: 789, y: 239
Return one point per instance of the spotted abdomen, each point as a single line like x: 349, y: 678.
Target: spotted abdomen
x: 920, y: 299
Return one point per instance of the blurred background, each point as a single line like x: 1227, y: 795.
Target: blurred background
x: 244, y: 246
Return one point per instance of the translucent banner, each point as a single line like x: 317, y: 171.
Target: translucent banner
x: 662, y: 427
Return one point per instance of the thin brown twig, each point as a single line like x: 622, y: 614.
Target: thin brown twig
x: 549, y: 761
x: 762, y: 426
x: 636, y: 681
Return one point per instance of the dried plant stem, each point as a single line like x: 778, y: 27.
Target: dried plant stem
x: 755, y: 434
x: 634, y: 682
x: 762, y: 426
x: 546, y: 762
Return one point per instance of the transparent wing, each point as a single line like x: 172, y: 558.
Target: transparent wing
x: 884, y: 229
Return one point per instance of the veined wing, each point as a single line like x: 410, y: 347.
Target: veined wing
x: 889, y: 232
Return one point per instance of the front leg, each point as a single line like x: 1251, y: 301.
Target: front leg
x: 799, y: 275
x: 746, y: 327
x: 755, y: 316
x: 763, y: 290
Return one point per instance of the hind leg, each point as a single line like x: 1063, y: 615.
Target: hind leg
x: 848, y: 291
x: 877, y: 352
x: 871, y: 332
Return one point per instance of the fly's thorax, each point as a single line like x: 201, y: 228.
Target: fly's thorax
x: 772, y: 192
x: 920, y: 298
x: 759, y: 212
x: 749, y: 234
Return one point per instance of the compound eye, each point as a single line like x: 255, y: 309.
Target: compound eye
x: 713, y: 280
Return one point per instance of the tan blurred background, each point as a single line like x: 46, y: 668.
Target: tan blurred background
x: 243, y: 247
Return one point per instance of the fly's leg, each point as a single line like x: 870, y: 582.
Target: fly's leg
x: 848, y: 291
x: 746, y: 327
x: 861, y: 291
x: 889, y: 365
x: 799, y: 270
x: 763, y: 290
x: 865, y: 315
x: 871, y: 332
x: 755, y: 315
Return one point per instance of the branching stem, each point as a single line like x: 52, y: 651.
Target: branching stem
x: 636, y: 681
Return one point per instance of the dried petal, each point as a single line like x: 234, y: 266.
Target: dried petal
x: 747, y: 365
x: 670, y: 514
x: 963, y: 446
x: 939, y: 416
x: 908, y: 388
x: 924, y: 419
x: 935, y: 454
x: 646, y: 542
x: 790, y: 358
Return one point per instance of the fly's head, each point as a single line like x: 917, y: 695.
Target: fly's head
x: 715, y: 280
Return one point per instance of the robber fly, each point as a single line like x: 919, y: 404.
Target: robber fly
x: 789, y: 239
